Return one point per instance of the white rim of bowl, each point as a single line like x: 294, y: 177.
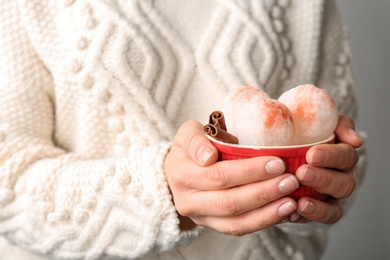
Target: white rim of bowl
x: 270, y: 146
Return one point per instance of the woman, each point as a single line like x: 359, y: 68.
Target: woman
x: 92, y: 93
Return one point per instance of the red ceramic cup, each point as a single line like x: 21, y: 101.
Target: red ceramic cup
x: 293, y: 157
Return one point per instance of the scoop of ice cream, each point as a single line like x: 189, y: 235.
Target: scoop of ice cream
x: 314, y: 112
x: 234, y: 101
x: 264, y: 122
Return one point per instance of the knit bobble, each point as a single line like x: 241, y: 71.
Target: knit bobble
x: 288, y: 249
x: 124, y: 179
x: 88, y: 82
x: 98, y: 185
x: 284, y: 3
x: 115, y: 124
x: 45, y: 207
x: 76, y: 66
x: 279, y: 26
x: 276, y: 12
x: 91, y: 23
x: 6, y: 196
x: 269, y: 2
x: 59, y: 215
x: 90, y: 203
x: 115, y: 107
x: 68, y: 2
x: 298, y: 256
x: 109, y: 172
x: 343, y: 59
x: 123, y: 140
x: 102, y: 94
x: 87, y: 9
x: 137, y: 191
x: 82, y: 43
x: 80, y: 215
x: 148, y: 201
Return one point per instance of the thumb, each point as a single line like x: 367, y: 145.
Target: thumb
x: 346, y: 132
x: 192, y: 140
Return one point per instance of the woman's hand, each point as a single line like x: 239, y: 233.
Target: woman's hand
x: 329, y: 171
x: 233, y: 197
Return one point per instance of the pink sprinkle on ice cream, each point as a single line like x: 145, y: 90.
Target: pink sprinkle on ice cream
x: 314, y: 111
x: 264, y: 122
x: 277, y: 113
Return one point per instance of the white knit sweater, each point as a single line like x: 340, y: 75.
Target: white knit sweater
x: 92, y: 92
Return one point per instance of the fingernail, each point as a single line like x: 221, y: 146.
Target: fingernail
x: 309, y: 208
x: 285, y: 220
x: 275, y: 166
x: 288, y: 185
x: 204, y: 153
x: 308, y: 175
x: 286, y: 209
x: 294, y: 217
x: 318, y: 157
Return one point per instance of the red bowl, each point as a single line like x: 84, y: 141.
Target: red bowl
x: 293, y: 157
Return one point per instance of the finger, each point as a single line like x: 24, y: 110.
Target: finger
x: 191, y: 139
x: 346, y: 133
x: 338, y: 156
x: 335, y: 183
x: 235, y: 201
x: 227, y: 174
x: 328, y: 212
x: 251, y: 221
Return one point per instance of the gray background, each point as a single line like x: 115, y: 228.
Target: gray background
x: 364, y: 232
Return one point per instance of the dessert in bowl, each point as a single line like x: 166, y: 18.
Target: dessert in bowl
x: 258, y: 125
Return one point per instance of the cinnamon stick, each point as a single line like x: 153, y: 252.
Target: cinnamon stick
x: 218, y: 119
x: 220, y: 134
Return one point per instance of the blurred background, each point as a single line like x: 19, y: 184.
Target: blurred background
x: 364, y: 232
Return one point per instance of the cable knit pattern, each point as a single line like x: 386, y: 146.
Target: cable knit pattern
x: 92, y: 92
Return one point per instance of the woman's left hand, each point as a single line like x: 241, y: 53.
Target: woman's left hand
x: 329, y: 171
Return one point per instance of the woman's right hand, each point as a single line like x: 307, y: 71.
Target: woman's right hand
x: 234, y: 197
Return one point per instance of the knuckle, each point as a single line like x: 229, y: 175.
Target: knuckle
x: 227, y: 205
x: 217, y: 176
x: 326, y: 181
x: 263, y: 195
x: 352, y: 157
x: 190, y: 141
x: 347, y: 120
x: 234, y: 229
x: 183, y: 209
x: 347, y: 157
x: 265, y: 222
x: 337, y: 216
x: 190, y: 124
x: 348, y: 188
x: 187, y: 134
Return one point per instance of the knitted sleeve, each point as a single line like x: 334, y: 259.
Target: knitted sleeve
x: 56, y: 202
x: 335, y: 74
